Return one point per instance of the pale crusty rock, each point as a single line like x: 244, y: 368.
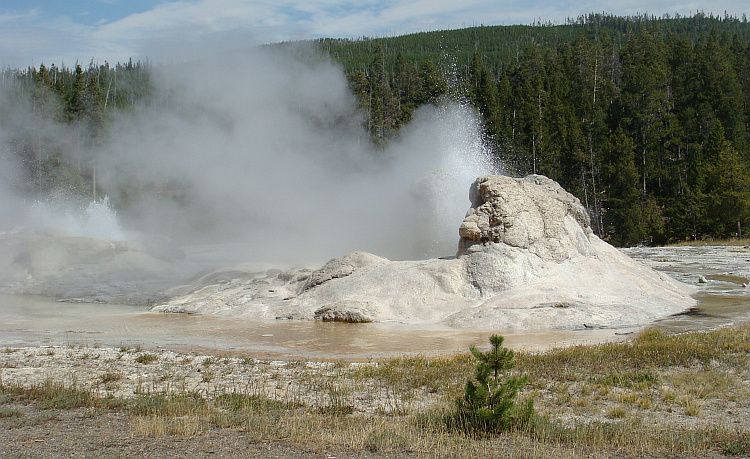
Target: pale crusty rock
x: 342, y: 312
x: 604, y: 290
x: 532, y: 213
x: 342, y: 267
x: 527, y: 260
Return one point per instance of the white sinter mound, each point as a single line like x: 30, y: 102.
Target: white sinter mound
x: 527, y: 259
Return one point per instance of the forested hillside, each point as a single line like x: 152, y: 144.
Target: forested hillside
x: 645, y: 119
x: 40, y: 108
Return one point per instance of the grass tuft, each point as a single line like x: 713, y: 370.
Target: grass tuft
x: 52, y: 395
x: 146, y: 358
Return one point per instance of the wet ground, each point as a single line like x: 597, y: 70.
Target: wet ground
x: 721, y: 273
x: 30, y: 320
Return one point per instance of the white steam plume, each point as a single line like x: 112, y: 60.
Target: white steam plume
x: 268, y: 151
x: 12, y: 207
x: 272, y: 153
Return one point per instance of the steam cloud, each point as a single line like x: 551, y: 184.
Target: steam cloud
x: 11, y: 202
x: 269, y: 151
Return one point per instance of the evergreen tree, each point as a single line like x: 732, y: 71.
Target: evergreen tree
x: 76, y: 104
x: 645, y: 97
x: 408, y: 88
x: 488, y: 403
x: 720, y: 87
x: 484, y: 96
x: 728, y: 186
x: 377, y: 94
x: 360, y: 86
x: 433, y: 83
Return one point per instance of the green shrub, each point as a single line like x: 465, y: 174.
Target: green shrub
x: 146, y: 358
x: 488, y: 403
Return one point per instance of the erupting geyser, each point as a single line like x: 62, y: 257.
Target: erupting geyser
x: 95, y: 219
x: 264, y: 156
x: 79, y: 252
x: 527, y: 259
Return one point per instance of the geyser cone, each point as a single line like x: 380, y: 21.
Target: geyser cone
x: 528, y: 260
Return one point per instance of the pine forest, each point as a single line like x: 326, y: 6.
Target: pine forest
x: 645, y: 119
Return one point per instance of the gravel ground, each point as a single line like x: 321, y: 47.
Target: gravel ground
x: 26, y: 431
x: 82, y: 433
x: 29, y: 431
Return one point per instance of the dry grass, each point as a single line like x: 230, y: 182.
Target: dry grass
x: 657, y: 395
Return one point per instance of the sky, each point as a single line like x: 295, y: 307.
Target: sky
x: 33, y: 32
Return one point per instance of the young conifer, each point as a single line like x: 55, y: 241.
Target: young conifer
x: 488, y: 403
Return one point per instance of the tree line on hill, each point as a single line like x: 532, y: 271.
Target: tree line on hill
x: 41, y: 107
x: 645, y: 119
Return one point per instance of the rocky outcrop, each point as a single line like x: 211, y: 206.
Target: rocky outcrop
x: 533, y: 213
x: 518, y: 228
x: 527, y: 259
x: 341, y: 267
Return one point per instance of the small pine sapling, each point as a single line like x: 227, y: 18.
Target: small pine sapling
x: 488, y: 403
